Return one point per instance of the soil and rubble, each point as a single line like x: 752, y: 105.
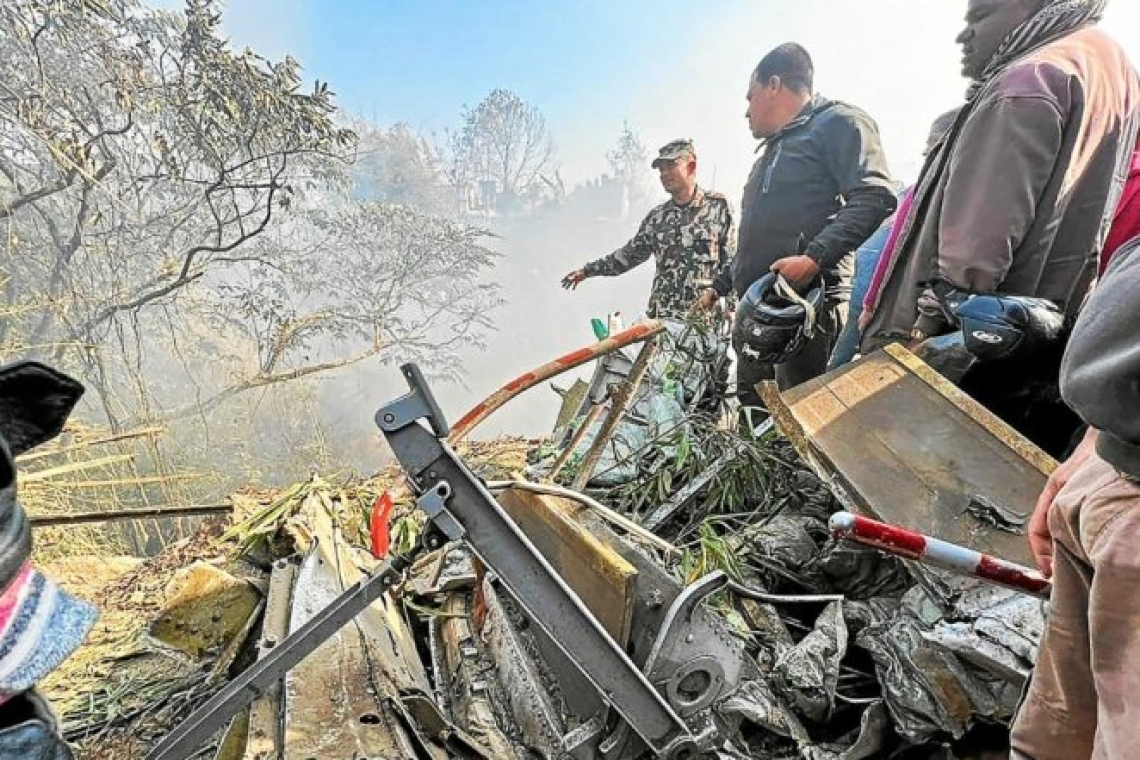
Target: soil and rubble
x: 890, y: 663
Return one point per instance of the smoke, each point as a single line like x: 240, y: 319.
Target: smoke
x: 538, y: 322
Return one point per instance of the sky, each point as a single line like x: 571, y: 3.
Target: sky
x: 670, y: 68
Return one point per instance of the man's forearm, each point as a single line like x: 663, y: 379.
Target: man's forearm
x: 864, y: 212
x: 608, y: 266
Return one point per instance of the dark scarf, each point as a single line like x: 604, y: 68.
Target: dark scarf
x: 1055, y: 20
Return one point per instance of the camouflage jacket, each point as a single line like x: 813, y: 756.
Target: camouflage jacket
x: 691, y: 244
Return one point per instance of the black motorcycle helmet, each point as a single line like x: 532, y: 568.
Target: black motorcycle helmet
x: 996, y: 327
x: 773, y: 322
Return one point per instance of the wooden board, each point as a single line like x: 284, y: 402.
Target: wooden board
x: 602, y: 578
x: 899, y: 443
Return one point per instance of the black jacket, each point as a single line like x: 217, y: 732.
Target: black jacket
x: 822, y: 180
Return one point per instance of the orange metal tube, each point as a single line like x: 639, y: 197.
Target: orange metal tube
x: 487, y: 407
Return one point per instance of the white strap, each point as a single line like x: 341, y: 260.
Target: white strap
x: 788, y: 292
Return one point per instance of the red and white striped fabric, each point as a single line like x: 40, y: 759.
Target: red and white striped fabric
x: 40, y: 627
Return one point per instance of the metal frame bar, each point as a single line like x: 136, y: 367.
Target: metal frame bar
x: 464, y: 509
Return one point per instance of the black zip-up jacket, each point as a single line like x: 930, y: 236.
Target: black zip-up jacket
x: 822, y: 180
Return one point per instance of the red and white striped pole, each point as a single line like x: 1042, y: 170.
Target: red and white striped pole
x: 937, y: 553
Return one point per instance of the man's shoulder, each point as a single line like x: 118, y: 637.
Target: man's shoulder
x: 718, y: 206
x: 1089, y: 46
x: 1055, y: 69
x: 657, y: 212
x: 840, y: 114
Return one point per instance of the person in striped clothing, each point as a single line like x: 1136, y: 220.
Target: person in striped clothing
x: 40, y: 624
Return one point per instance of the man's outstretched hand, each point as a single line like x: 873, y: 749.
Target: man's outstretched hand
x: 1040, y: 537
x: 799, y: 271
x: 574, y: 279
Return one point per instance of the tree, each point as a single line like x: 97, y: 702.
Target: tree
x: 350, y: 280
x: 503, y: 141
x: 180, y: 219
x: 395, y: 166
x: 140, y: 154
x: 628, y: 161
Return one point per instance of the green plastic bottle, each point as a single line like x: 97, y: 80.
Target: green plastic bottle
x: 601, y: 332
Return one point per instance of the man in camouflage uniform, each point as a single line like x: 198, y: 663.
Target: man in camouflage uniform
x: 691, y: 237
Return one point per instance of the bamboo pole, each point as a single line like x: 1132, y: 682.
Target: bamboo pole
x: 63, y: 469
x: 592, y: 417
x: 113, y: 438
x: 78, y: 518
x: 621, y: 400
x: 140, y: 480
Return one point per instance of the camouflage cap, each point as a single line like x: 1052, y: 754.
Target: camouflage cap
x: 674, y: 150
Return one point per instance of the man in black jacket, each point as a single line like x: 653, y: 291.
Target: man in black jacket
x: 818, y: 191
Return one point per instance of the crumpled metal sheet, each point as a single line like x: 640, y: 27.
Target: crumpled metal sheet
x: 759, y: 706
x: 950, y: 653
x: 782, y: 544
x: 768, y: 630
x: 1018, y: 627
x: 926, y: 687
x: 464, y: 672
x: 861, y: 573
x: 863, y: 614
x: 812, y: 498
x: 755, y: 703
x: 334, y: 699
x: 807, y: 674
x: 964, y: 640
x: 871, y: 737
x: 1000, y: 633
x: 532, y: 704
x: 1017, y: 621
x: 864, y: 743
x: 991, y: 513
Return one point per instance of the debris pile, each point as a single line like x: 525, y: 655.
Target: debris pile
x: 833, y: 652
x: 136, y: 677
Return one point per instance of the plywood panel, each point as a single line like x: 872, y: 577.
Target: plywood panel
x: 901, y: 444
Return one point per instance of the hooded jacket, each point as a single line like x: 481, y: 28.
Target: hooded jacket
x: 1100, y: 376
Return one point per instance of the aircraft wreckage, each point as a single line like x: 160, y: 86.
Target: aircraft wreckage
x: 533, y: 620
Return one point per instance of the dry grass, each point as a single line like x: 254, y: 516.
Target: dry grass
x: 114, y: 691
x: 92, y: 470
x: 119, y: 692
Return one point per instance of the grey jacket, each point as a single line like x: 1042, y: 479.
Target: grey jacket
x: 1100, y: 377
x: 824, y: 180
x: 1019, y: 196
